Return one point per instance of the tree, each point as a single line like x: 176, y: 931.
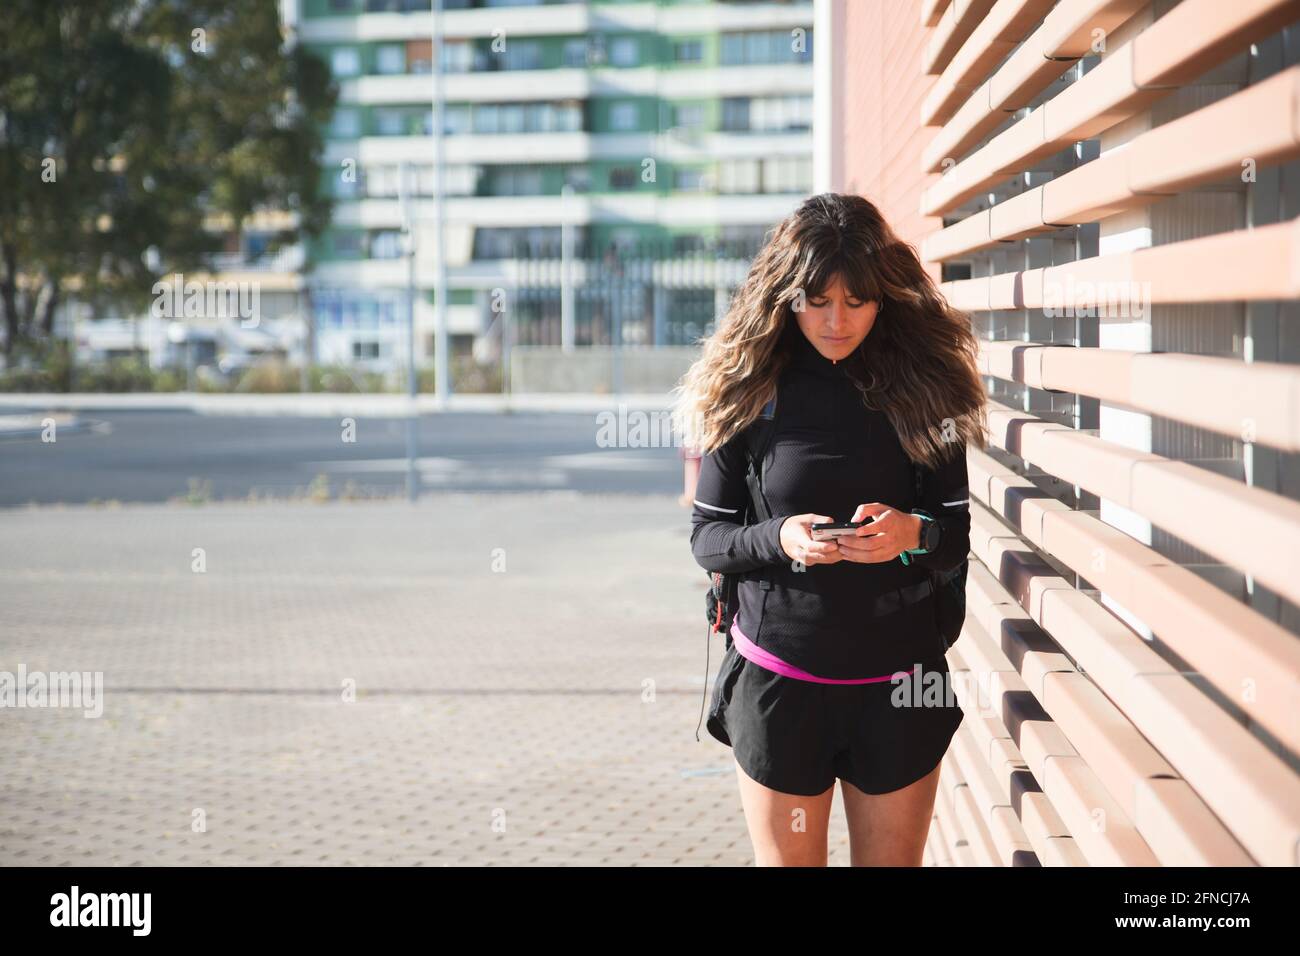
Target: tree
x: 124, y: 125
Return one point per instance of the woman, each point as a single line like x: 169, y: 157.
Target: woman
x: 873, y: 373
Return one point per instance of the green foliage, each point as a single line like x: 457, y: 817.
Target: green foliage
x: 124, y: 124
x: 467, y: 376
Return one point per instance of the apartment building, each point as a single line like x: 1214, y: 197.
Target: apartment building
x: 677, y: 126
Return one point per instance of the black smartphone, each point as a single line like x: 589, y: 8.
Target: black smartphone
x: 827, y: 530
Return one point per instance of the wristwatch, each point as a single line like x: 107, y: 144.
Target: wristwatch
x: 930, y: 532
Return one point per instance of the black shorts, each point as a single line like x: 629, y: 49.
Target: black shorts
x: 799, y: 736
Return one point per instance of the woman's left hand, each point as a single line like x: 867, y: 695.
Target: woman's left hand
x: 889, y: 535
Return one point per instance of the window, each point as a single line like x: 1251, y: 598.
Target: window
x: 390, y: 59
x: 779, y: 113
x: 422, y: 180
x: 518, y: 181
x: 511, y: 118
x: 523, y: 118
x: 346, y: 124
x: 506, y: 242
x: 579, y: 177
x: 765, y: 46
x: 382, y: 181
x: 623, y: 116
x: 461, y: 180
x: 745, y: 241
x: 390, y: 122
x: 688, y: 51
x: 568, y: 117
x: 455, y: 119
x: 457, y: 56
x: 575, y: 53
x: 735, y: 113
x: 486, y: 118
x: 419, y: 56
x: 367, y: 314
x: 365, y: 350
x: 622, y: 178
x: 733, y: 49
x: 386, y: 244
x: 787, y: 174
x: 689, y: 180
x: 767, y: 113
x: 540, y: 118
x: 738, y: 176
x: 345, y: 61
x: 759, y: 48
x: 520, y: 55
x: 623, y: 52
x: 347, y: 243
x: 690, y: 116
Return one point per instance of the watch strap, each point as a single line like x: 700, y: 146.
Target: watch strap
x: 927, y: 520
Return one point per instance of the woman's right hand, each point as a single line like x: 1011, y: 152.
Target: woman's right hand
x: 798, y: 544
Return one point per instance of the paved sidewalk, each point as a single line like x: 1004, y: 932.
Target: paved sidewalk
x: 501, y: 717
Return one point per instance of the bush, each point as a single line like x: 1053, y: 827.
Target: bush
x: 467, y: 376
x: 169, y: 380
x: 334, y: 378
x: 116, y: 375
x: 272, y: 375
x: 26, y: 380
x: 133, y: 374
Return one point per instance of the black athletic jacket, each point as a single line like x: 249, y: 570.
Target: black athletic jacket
x: 828, y: 454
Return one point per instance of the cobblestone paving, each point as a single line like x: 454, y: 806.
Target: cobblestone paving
x: 527, y: 674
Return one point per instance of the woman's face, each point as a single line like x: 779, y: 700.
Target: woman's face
x: 835, y: 322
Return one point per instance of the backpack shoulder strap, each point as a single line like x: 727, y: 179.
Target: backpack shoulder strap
x: 758, y: 439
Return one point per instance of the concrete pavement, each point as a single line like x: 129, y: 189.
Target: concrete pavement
x: 527, y: 672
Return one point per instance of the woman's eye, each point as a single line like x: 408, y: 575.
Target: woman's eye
x: 855, y: 305
x: 817, y: 303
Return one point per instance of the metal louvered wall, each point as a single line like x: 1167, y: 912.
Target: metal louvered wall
x: 1110, y: 188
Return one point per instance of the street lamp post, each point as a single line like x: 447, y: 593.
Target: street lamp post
x: 412, y: 384
x: 442, y: 367
x: 566, y: 270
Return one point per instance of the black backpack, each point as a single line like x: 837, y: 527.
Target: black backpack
x: 949, y: 589
x: 721, y: 599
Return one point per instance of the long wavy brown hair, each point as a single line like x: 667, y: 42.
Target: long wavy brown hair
x: 918, y: 364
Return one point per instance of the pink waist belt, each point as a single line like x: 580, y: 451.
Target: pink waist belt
x: 752, y: 652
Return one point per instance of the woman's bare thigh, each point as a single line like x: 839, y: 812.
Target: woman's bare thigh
x: 890, y: 829
x: 786, y: 829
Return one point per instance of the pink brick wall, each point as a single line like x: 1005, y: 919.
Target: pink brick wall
x: 883, y: 89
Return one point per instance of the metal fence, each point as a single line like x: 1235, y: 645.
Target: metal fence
x: 647, y: 294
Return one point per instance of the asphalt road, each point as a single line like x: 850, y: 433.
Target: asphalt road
x: 155, y: 456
